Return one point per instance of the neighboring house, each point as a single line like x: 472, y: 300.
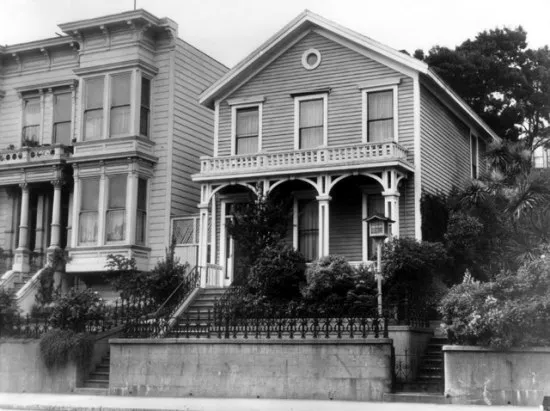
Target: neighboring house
x: 100, y: 130
x: 541, y: 157
x: 344, y: 126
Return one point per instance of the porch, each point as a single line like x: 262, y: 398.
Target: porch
x: 327, y: 215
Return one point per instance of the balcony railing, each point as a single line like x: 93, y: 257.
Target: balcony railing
x: 34, y: 155
x: 114, y: 148
x: 357, y: 154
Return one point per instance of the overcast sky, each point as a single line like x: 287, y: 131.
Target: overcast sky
x: 230, y: 29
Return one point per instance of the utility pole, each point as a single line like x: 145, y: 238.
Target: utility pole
x: 135, y: 4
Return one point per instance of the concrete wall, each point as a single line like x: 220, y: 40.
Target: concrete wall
x: 302, y: 369
x: 22, y: 369
x: 478, y: 375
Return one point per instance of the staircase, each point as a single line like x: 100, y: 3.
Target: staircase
x: 97, y: 382
x: 429, y: 384
x: 21, y: 281
x: 194, y: 321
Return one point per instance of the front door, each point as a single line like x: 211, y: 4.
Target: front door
x: 235, y: 270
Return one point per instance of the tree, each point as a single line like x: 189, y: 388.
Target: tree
x: 506, y: 83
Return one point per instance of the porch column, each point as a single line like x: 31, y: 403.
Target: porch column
x: 391, y: 210
x: 324, y: 231
x: 56, y: 216
x: 39, y: 236
x: 203, y: 241
x: 10, y: 217
x: 22, y: 254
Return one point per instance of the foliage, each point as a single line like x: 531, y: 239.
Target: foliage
x: 505, y: 82
x: 57, y: 347
x: 29, y: 143
x: 258, y: 224
x: 511, y: 311
x: 411, y: 269
x: 436, y: 211
x: 46, y: 291
x: 8, y: 305
x: 156, y: 284
x: 329, y: 280
x: 278, y: 273
x: 77, y: 309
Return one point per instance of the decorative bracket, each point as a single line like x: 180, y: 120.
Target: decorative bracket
x: 107, y: 35
x: 18, y: 61
x: 46, y: 54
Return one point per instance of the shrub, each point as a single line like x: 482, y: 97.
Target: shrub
x: 8, y: 306
x: 329, y: 280
x: 363, y: 295
x: 512, y: 310
x: 410, y: 268
x: 57, y: 347
x: 278, y: 273
x: 77, y: 309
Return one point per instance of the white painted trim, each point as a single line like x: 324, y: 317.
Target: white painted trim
x: 297, y: 101
x: 365, y: 117
x: 213, y: 231
x: 417, y: 160
x: 364, y: 227
x: 245, y: 100
x: 382, y: 82
x: 295, y: 222
x: 234, y: 109
x: 216, y: 127
x: 306, y: 54
x: 170, y: 143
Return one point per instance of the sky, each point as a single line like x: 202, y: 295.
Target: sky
x: 228, y: 30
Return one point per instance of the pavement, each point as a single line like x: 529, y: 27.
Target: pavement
x: 74, y: 402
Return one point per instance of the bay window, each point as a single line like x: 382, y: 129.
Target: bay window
x: 31, y: 120
x: 141, y: 217
x: 311, y: 121
x: 116, y: 208
x: 89, y: 211
x: 116, y: 105
x: 62, y: 118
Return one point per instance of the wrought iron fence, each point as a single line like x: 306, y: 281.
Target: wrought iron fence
x: 406, y: 367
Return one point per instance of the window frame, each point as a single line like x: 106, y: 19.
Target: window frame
x: 234, y: 109
x: 474, y: 173
x: 97, y: 212
x: 136, y: 76
x: 71, y: 117
x: 106, y: 208
x: 309, y: 97
x: 25, y: 99
x: 145, y: 211
x: 365, y: 112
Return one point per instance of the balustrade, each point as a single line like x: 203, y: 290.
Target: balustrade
x: 25, y: 155
x: 348, y: 154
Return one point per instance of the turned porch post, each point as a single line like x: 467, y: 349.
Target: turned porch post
x: 203, y: 241
x: 56, y: 215
x: 22, y: 254
x: 324, y: 225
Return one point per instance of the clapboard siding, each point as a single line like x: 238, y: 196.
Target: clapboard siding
x: 341, y: 69
x: 193, y: 123
x: 445, y: 146
x: 345, y: 237
x: 406, y: 208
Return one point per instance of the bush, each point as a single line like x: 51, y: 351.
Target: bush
x: 329, y: 280
x: 411, y: 269
x: 363, y: 295
x: 76, y: 310
x: 57, y: 347
x: 8, y: 306
x: 278, y: 273
x: 511, y: 311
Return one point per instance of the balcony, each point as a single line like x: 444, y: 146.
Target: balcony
x: 34, y: 156
x: 356, y: 156
x: 114, y: 148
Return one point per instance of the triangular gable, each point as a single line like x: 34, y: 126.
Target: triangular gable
x: 304, y: 23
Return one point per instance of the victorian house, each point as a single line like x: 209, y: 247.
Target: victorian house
x: 100, y: 130
x: 342, y: 125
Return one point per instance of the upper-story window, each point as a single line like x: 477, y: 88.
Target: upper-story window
x: 310, y: 121
x: 89, y: 210
x: 31, y: 120
x: 110, y: 108
x: 380, y: 125
x: 247, y: 130
x: 474, y: 154
x: 62, y: 114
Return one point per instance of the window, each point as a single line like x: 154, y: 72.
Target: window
x: 308, y: 229
x: 88, y: 219
x: 474, y: 155
x: 141, y: 217
x: 62, y: 118
x: 31, y: 120
x: 380, y: 121
x: 120, y: 104
x: 109, y: 110
x: 145, y: 110
x: 311, y: 122
x: 375, y: 205
x: 247, y: 130
x: 116, y: 209
x: 540, y: 157
x: 93, y: 112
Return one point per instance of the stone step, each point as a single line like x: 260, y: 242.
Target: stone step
x: 415, y: 397
x: 421, y: 387
x: 103, y: 368
x: 99, y: 375
x: 96, y: 384
x: 91, y: 391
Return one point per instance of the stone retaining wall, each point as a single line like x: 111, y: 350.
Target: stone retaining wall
x: 478, y: 375
x: 301, y: 369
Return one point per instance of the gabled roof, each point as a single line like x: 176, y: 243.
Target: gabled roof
x: 307, y: 20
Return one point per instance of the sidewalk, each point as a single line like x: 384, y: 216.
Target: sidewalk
x: 71, y: 402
